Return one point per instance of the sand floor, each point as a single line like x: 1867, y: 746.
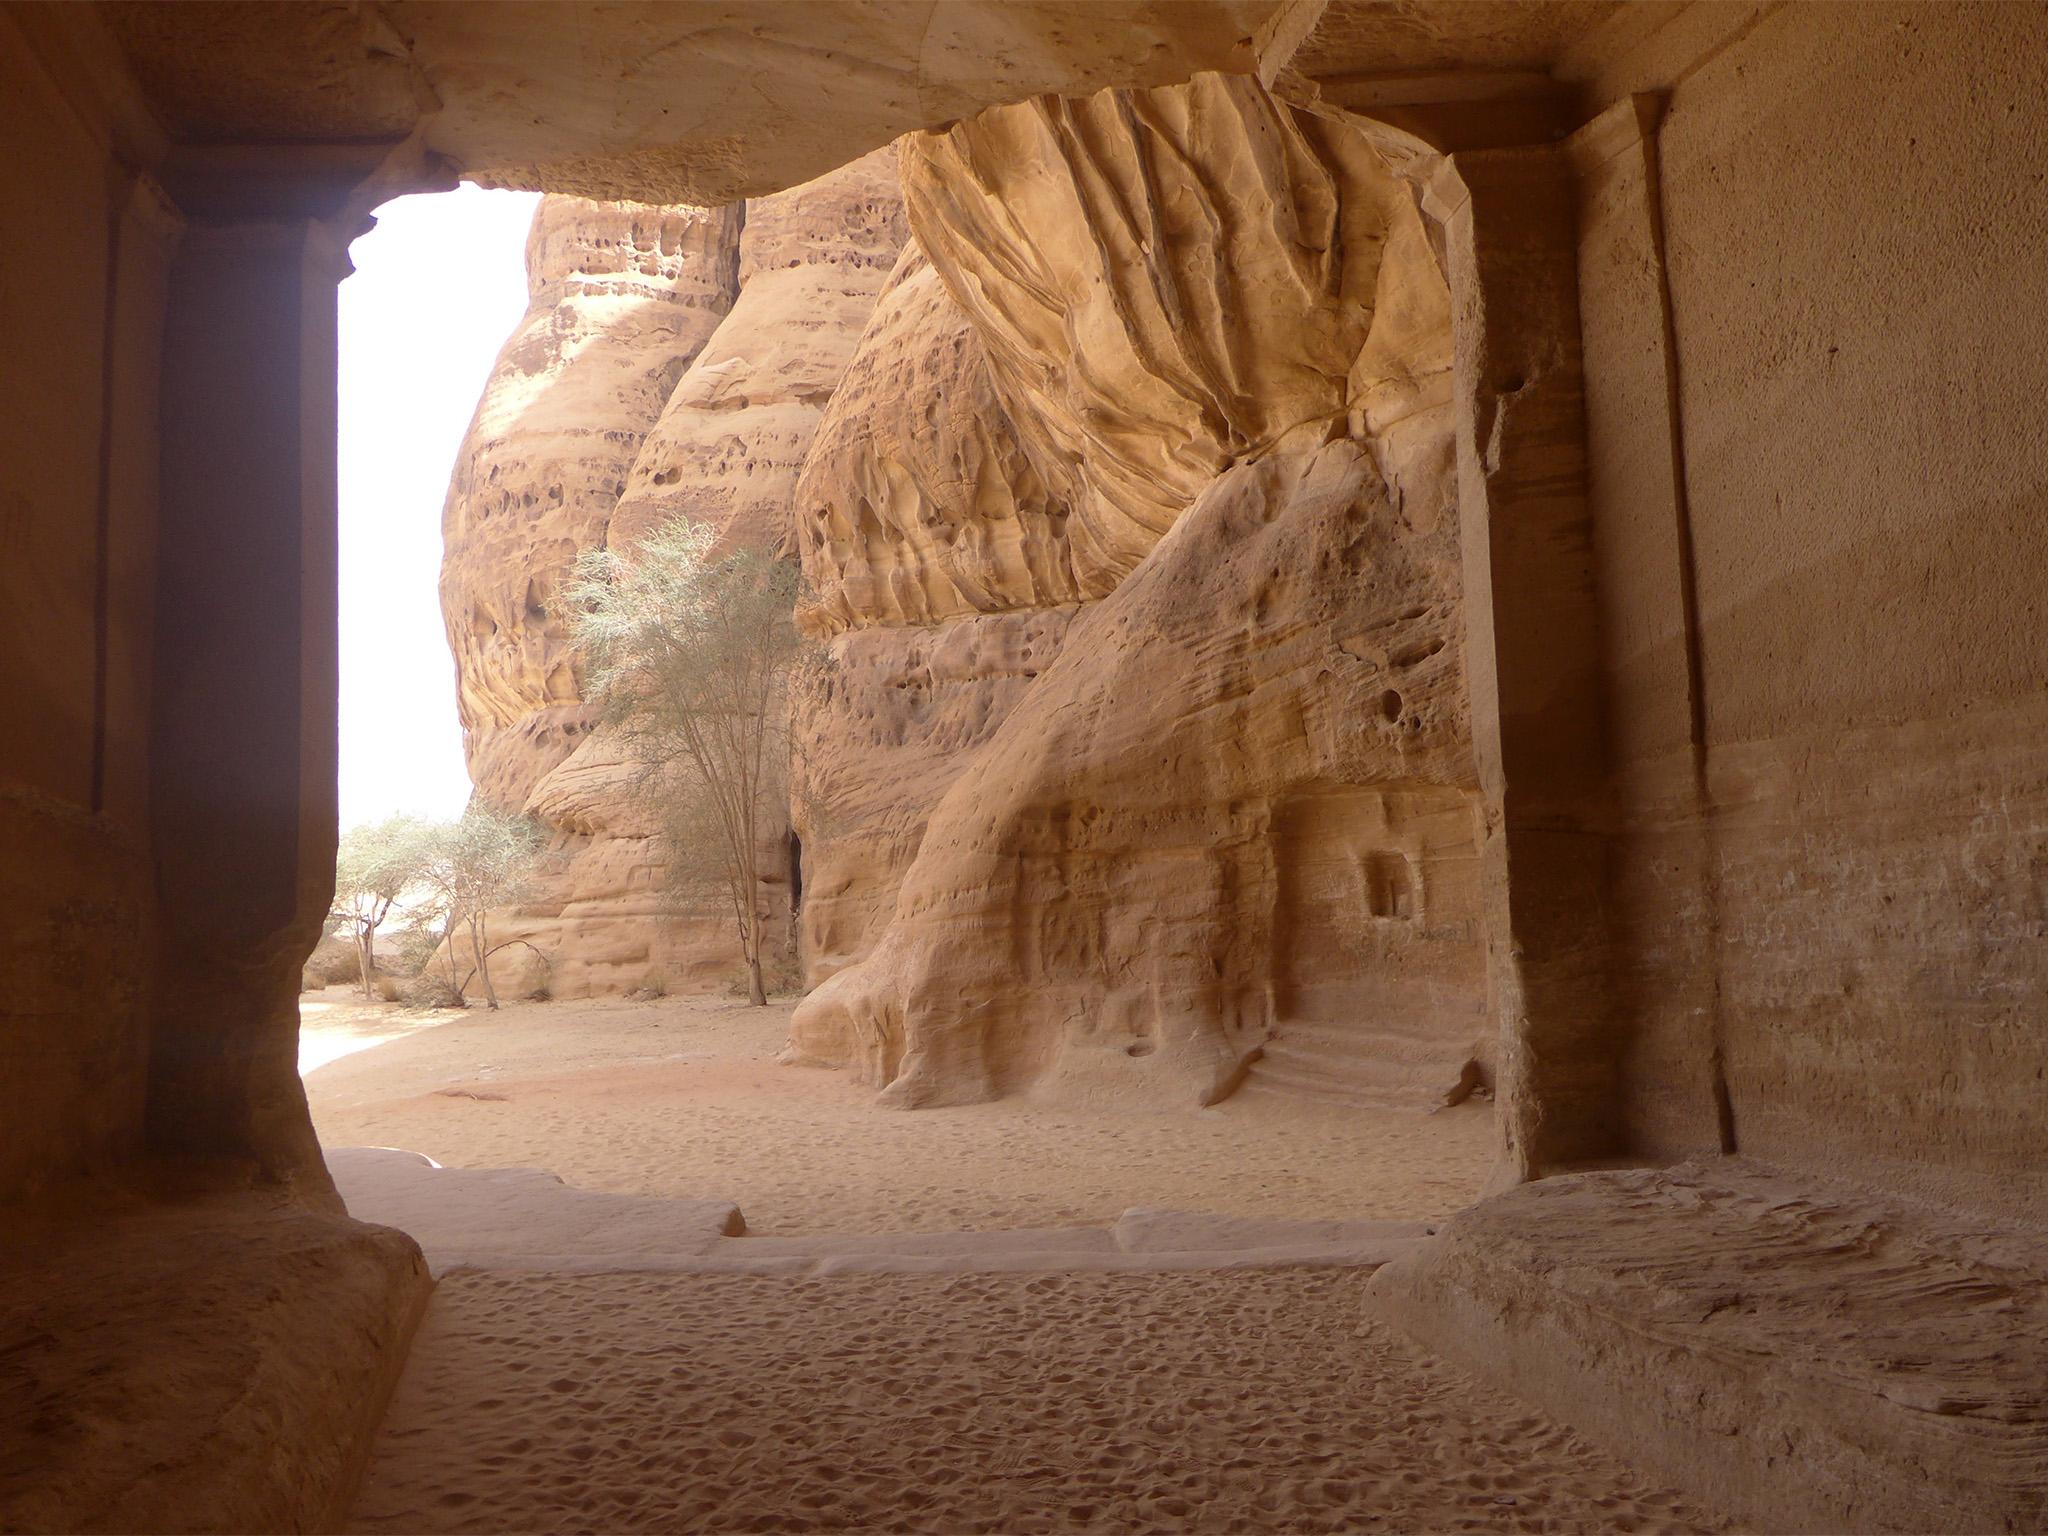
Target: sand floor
x: 1217, y: 1401
x: 1259, y: 1399
x: 682, y: 1097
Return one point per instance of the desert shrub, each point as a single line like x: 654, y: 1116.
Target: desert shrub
x: 653, y: 985
x: 407, y: 950
x: 429, y: 989
x: 375, y: 866
x: 333, y: 960
x: 480, y: 862
x: 690, y: 653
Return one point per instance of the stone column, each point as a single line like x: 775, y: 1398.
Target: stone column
x: 1532, y: 646
x: 243, y: 711
x: 1664, y: 884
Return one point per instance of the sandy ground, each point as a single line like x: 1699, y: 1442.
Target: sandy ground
x: 337, y: 1022
x: 1204, y: 1400
x: 682, y: 1097
x: 1215, y: 1401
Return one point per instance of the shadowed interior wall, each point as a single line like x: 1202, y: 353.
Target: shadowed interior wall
x: 1853, y: 216
x: 77, y: 543
x: 243, y: 726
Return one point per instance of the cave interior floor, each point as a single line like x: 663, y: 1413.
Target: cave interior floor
x: 1005, y: 1317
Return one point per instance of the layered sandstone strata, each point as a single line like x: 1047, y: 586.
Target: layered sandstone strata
x: 1170, y: 399
x: 1169, y: 282
x: 885, y: 720
x: 1239, y: 800
x: 622, y: 297
x: 919, y: 502
x: 592, y: 436
x: 733, y: 435
x: 939, y: 578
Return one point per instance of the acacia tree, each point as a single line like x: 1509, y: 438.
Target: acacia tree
x: 477, y: 863
x: 374, y: 867
x: 690, y: 656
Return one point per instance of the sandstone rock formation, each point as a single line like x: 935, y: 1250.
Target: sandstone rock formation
x: 607, y: 415
x: 1238, y: 801
x: 937, y: 571
x: 734, y: 433
x: 884, y: 722
x: 1169, y: 282
x: 622, y: 298
x: 1192, y: 787
x: 918, y: 502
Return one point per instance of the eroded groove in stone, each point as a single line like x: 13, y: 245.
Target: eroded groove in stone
x: 1724, y: 1321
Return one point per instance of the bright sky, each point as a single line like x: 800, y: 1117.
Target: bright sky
x: 439, y: 284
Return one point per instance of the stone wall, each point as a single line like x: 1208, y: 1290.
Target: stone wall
x: 1862, y: 817
x: 79, y: 404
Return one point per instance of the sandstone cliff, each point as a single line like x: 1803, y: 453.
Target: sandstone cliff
x: 604, y: 418
x: 733, y: 435
x: 1141, y: 755
x: 1236, y: 809
x: 622, y: 297
x: 938, y: 572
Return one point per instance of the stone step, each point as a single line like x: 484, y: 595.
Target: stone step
x: 525, y: 1220
x: 1344, y: 1065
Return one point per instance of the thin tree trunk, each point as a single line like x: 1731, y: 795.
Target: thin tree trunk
x: 757, y: 994
x: 454, y: 979
x: 363, y: 963
x: 478, y: 939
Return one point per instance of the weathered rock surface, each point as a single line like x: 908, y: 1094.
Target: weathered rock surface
x: 213, y: 1365
x: 1238, y: 799
x: 733, y: 435
x: 918, y: 502
x: 710, y: 102
x: 607, y: 416
x: 1806, y: 1356
x: 937, y: 563
x: 622, y: 298
x: 884, y: 723
x: 1167, y: 282
x: 1235, y: 815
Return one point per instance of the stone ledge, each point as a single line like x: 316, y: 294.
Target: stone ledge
x: 525, y: 1220
x: 1806, y: 1356
x: 214, y: 1365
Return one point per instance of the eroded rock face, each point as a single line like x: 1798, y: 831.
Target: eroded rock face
x: 674, y: 362
x: 1239, y: 798
x: 886, y: 720
x: 1167, y: 282
x: 918, y: 502
x: 733, y: 435
x: 1166, y: 410
x: 937, y: 563
x: 622, y: 299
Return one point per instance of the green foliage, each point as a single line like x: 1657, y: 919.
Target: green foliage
x: 690, y: 655
x: 375, y: 867
x: 485, y: 860
x: 431, y: 877
x: 377, y: 864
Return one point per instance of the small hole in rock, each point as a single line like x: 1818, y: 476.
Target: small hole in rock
x: 1390, y: 705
